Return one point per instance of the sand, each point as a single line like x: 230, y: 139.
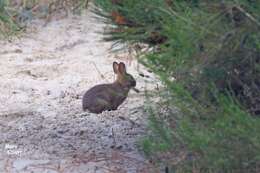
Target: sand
x: 43, y: 76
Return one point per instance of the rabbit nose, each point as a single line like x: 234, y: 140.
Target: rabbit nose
x: 133, y: 83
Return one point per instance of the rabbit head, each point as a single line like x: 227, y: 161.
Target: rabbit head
x: 123, y: 78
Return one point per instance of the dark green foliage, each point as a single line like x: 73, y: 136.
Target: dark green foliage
x: 212, y: 50
x: 140, y: 21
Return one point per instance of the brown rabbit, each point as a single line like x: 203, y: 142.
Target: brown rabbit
x: 109, y: 96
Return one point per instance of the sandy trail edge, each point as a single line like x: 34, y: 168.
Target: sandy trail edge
x: 43, y: 77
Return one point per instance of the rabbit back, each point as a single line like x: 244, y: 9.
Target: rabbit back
x: 104, y: 97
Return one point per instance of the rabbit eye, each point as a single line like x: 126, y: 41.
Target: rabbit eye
x: 131, y: 80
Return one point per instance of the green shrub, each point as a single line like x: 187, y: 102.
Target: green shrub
x: 212, y: 50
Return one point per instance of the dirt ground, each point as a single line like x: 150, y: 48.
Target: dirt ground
x: 43, y: 75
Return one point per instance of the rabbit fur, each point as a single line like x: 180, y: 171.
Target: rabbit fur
x: 109, y: 96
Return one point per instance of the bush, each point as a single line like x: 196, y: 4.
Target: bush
x: 212, y: 51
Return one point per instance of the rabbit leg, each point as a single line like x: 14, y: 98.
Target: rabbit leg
x: 114, y: 108
x: 100, y: 105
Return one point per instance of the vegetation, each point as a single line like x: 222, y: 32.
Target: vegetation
x: 207, y: 53
x: 15, y: 14
x: 7, y: 25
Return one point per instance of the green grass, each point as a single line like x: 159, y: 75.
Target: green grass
x: 7, y: 24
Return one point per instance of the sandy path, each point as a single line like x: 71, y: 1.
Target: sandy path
x: 43, y: 76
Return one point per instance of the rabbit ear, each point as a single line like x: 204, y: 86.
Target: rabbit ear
x: 115, y: 67
x: 121, y: 68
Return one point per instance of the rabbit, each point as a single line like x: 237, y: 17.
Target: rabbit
x: 109, y: 96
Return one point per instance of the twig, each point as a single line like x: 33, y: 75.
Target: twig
x: 136, y: 90
x: 101, y: 75
x: 247, y: 15
x: 172, y: 12
x: 113, y: 135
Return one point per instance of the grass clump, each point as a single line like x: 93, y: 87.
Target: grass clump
x: 15, y: 15
x: 7, y: 24
x: 211, y: 49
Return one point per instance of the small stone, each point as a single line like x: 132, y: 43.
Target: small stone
x: 48, y: 92
x: 119, y: 147
x: 62, y: 131
x: 53, y: 135
x: 62, y: 94
x: 81, y: 132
